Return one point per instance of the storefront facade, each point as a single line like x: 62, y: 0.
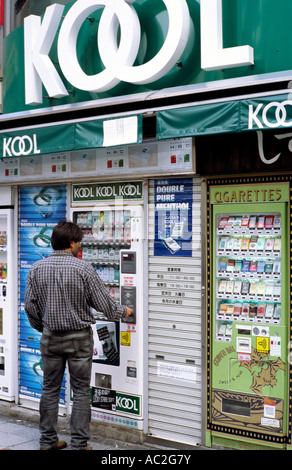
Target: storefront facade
x: 143, y: 152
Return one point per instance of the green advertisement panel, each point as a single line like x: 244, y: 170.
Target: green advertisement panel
x: 263, y: 26
x: 249, y: 315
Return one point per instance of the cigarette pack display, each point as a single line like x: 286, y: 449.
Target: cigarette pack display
x: 269, y: 311
x: 229, y: 223
x: 229, y: 287
x: 268, y: 268
x: 245, y: 309
x: 253, y: 243
x: 277, y: 222
x: 223, y: 222
x: 252, y: 222
x: 236, y: 244
x: 252, y: 310
x: 261, y: 266
x: 238, y: 266
x: 222, y: 264
x: 261, y: 288
x: 250, y: 266
x: 253, y: 266
x: 260, y: 244
x: 245, y: 244
x: 237, y: 287
x: 261, y: 310
x: 229, y: 244
x: 222, y: 243
x: 245, y: 266
x: 228, y: 332
x: 245, y: 288
x: 269, y: 244
x: 277, y: 290
x: 277, y: 267
x: 269, y: 221
x: 261, y: 222
x: 222, y: 287
x: 277, y: 312
x: 245, y: 221
x: 237, y: 309
x: 221, y: 329
x: 253, y: 288
x: 223, y: 309
x: 230, y: 265
x: 230, y: 309
x: 269, y: 290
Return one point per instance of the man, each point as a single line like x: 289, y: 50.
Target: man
x: 60, y: 290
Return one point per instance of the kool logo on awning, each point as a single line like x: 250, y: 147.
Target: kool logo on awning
x: 271, y: 115
x: 20, y: 145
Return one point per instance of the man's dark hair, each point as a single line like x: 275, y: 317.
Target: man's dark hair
x: 64, y: 233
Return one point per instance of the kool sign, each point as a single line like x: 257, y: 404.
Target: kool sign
x: 118, y: 57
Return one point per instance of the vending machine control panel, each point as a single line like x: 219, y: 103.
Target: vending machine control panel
x: 128, y: 262
x: 128, y: 298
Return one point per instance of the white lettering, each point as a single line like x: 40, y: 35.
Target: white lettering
x: 113, y: 460
x: 127, y: 403
x: 38, y: 39
x: 213, y: 56
x: 252, y: 116
x: 271, y: 120
x: 118, y: 17
x: 261, y: 150
x: 20, y: 145
x: 118, y: 43
x: 6, y: 149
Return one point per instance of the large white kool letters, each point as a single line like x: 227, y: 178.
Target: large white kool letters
x: 38, y: 39
x: 117, y: 57
x: 213, y: 56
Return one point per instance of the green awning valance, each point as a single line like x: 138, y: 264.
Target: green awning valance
x: 71, y: 136
x: 268, y: 112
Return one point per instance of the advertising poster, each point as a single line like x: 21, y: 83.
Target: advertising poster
x: 173, y: 217
x: 106, y: 343
x: 40, y: 209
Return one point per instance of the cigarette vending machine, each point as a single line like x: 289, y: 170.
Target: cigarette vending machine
x: 249, y: 315
x: 8, y: 324
x: 113, y: 244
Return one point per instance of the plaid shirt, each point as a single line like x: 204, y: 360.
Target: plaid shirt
x: 61, y: 289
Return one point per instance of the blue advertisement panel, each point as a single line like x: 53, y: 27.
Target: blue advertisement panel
x: 173, y: 217
x: 40, y: 209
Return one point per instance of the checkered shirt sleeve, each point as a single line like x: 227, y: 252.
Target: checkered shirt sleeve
x: 61, y: 289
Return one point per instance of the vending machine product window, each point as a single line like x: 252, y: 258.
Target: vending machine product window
x: 248, y: 270
x: 106, y: 233
x: 249, y: 318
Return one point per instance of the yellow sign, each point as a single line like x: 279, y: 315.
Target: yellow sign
x: 125, y: 338
x: 263, y: 345
x: 274, y: 192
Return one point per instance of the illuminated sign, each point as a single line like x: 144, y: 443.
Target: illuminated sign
x: 118, y: 58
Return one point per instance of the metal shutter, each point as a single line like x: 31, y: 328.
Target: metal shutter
x: 174, y: 349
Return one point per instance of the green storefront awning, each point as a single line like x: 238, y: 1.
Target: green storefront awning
x: 266, y: 112
x: 71, y: 136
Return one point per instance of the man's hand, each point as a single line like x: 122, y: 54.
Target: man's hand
x: 129, y: 312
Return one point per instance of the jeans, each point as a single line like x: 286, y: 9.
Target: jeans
x: 57, y: 348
